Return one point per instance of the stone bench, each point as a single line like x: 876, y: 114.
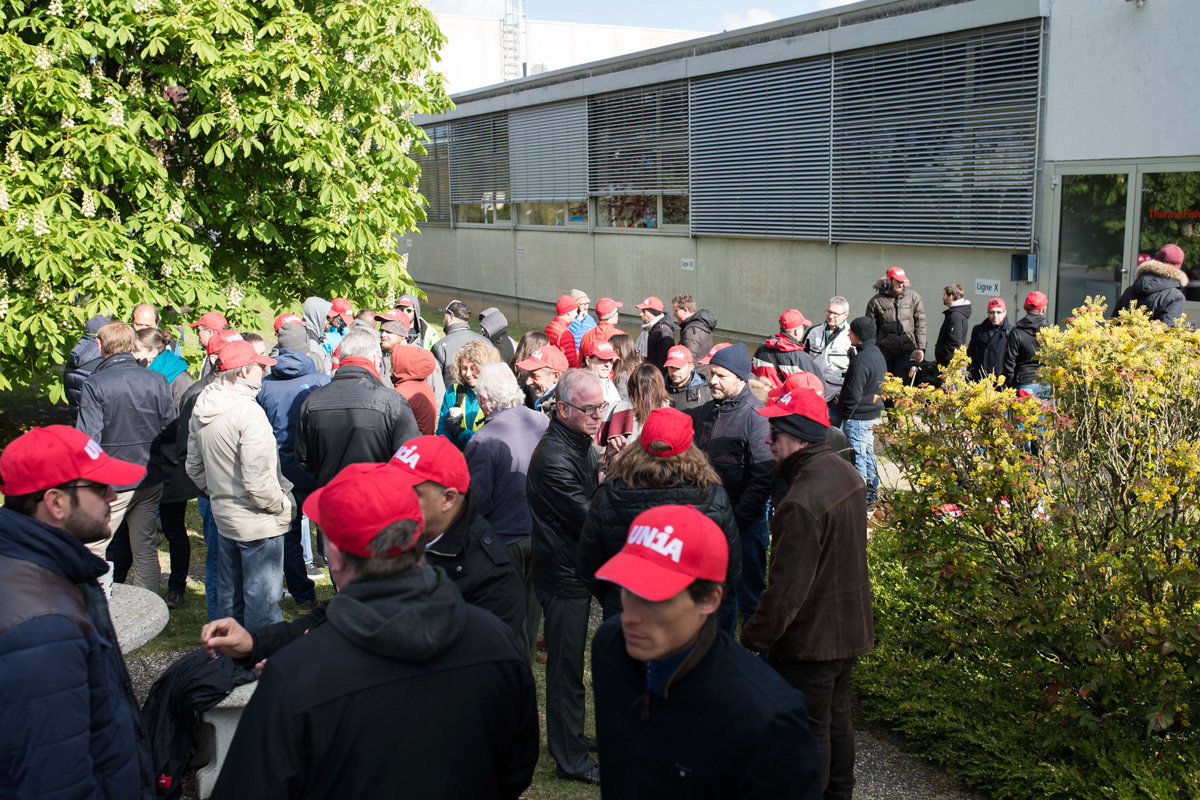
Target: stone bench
x: 217, y: 726
x: 138, y: 615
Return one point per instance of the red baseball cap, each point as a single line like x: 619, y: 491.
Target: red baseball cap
x: 792, y: 319
x: 221, y: 338
x: 708, y: 356
x: 433, y: 458
x: 1036, y: 300
x: 362, y: 500
x: 47, y: 457
x: 405, y: 302
x: 678, y: 356
x: 565, y: 303
x: 668, y: 425
x: 211, y: 319
x: 546, y: 356
x: 286, y: 319
x: 341, y: 307
x: 668, y: 547
x: 607, y: 306
x: 997, y: 302
x: 599, y: 348
x: 240, y: 353
x: 802, y: 401
x: 395, y: 315
x: 798, y: 380
x: 651, y: 303
x: 1143, y: 258
x: 897, y: 273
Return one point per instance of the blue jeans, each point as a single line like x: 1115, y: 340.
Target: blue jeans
x: 753, y: 583
x: 212, y: 544
x: 861, y: 433
x: 251, y: 580
x: 299, y: 584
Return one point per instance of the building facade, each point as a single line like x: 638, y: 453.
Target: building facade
x: 1004, y: 145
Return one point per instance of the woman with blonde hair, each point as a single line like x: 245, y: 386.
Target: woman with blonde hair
x: 664, y: 468
x: 460, y: 416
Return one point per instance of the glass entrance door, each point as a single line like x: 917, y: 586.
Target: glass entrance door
x: 1091, y: 240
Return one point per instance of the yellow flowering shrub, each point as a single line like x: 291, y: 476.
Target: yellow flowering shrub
x: 1059, y: 536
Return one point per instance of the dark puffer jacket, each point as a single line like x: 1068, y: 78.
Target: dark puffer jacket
x: 735, y: 438
x: 722, y: 725
x: 352, y: 419
x: 660, y: 338
x: 283, y: 392
x: 494, y: 325
x: 127, y: 409
x: 986, y: 348
x: 563, y: 476
x: 1021, y: 363
x: 953, y: 334
x: 81, y: 362
x: 613, y: 510
x: 1158, y: 287
x: 69, y: 722
x: 696, y: 333
x: 899, y: 319
x: 817, y: 605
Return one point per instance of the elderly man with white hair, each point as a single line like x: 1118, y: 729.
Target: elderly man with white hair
x: 498, y: 460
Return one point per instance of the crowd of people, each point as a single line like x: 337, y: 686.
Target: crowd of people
x: 471, y: 490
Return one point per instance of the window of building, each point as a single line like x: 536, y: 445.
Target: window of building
x: 553, y: 214
x: 655, y: 211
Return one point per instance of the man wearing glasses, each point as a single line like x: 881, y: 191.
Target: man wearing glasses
x: 563, y: 476
x: 829, y: 345
x: 69, y: 722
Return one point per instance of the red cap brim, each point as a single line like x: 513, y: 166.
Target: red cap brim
x: 676, y: 362
x: 775, y: 411
x: 644, y: 578
x: 530, y: 365
x: 113, y: 471
x: 312, y: 506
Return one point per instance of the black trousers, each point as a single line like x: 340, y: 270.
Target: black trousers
x: 521, y: 553
x: 173, y: 516
x: 566, y: 639
x: 826, y: 688
x: 898, y: 364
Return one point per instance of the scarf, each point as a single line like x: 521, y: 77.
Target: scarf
x: 361, y: 361
x: 169, y: 365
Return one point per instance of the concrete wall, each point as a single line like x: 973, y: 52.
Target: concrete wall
x: 1121, y: 80
x: 745, y: 282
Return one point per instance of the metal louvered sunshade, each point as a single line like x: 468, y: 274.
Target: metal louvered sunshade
x: 479, y: 159
x: 760, y: 151
x: 935, y: 141
x: 638, y: 141
x: 434, y: 183
x: 548, y: 152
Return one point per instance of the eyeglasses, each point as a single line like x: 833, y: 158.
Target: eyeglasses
x: 99, y: 488
x: 596, y: 410
x: 831, y: 313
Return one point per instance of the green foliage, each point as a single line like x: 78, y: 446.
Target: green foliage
x: 1053, y: 547
x: 219, y: 154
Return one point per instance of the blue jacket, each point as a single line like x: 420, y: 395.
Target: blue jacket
x: 579, y: 327
x: 472, y: 420
x: 283, y: 391
x: 498, y: 459
x: 69, y: 722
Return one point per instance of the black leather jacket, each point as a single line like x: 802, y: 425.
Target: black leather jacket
x: 613, y: 510
x: 352, y: 419
x: 563, y: 476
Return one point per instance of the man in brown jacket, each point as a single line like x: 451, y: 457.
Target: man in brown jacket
x: 814, y: 619
x: 900, y: 326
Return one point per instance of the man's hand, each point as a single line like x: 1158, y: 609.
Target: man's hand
x: 228, y: 637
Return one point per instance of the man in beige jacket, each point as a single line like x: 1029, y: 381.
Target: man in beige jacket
x: 233, y: 457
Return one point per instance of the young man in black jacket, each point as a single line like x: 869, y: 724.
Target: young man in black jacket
x: 681, y: 710
x: 953, y: 334
x: 1021, y: 363
x: 563, y: 475
x: 404, y: 689
x: 456, y: 537
x: 989, y: 342
x: 862, y: 401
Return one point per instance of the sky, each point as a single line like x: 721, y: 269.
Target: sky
x: 693, y: 15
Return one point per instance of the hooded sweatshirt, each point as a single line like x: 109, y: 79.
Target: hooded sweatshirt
x: 411, y: 366
x: 494, y: 326
x: 422, y: 334
x: 395, y: 647
x: 233, y: 458
x: 954, y: 331
x: 283, y: 391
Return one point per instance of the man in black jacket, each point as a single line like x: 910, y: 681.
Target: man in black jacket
x: 953, y: 334
x: 695, y: 327
x: 681, y: 710
x: 456, y: 537
x: 658, y: 332
x: 82, y: 361
x: 127, y: 409
x: 989, y: 341
x: 686, y: 386
x: 354, y: 418
x: 404, y: 689
x: 734, y: 437
x: 563, y: 476
x: 456, y: 323
x: 1021, y: 363
x: 862, y: 401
